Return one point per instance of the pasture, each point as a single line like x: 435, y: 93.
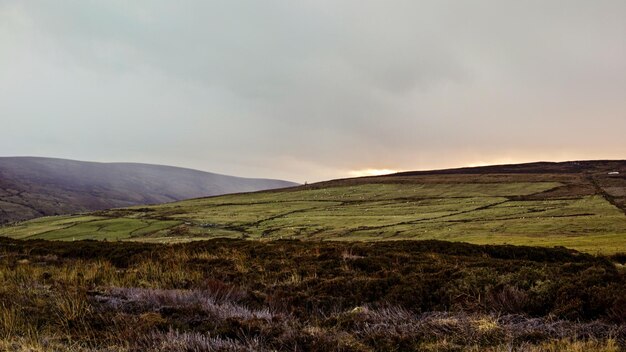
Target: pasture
x: 503, y: 212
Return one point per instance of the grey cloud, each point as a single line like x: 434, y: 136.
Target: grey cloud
x: 313, y: 89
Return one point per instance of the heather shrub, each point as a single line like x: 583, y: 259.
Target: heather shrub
x: 306, y: 296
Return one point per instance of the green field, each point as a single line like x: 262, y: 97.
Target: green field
x: 492, y: 212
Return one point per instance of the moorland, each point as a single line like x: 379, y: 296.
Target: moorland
x: 292, y: 295
x: 509, y: 258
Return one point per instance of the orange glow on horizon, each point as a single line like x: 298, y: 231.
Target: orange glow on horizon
x: 371, y: 172
x: 497, y: 162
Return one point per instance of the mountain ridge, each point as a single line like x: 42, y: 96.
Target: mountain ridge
x: 37, y: 186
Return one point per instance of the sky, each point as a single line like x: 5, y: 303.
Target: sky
x: 313, y: 90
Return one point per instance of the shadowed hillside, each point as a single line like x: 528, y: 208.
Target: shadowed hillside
x: 32, y: 187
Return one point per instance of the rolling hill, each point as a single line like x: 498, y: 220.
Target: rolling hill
x: 32, y: 187
x: 579, y: 205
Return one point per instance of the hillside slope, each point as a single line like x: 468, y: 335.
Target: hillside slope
x: 580, y: 206
x: 31, y: 187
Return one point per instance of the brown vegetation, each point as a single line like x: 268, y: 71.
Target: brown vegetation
x: 307, y: 296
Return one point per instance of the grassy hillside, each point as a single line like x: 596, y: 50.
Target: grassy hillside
x: 579, y: 206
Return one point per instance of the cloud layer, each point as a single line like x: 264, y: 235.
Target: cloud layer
x: 310, y: 90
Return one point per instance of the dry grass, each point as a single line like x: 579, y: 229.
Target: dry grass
x: 303, y: 296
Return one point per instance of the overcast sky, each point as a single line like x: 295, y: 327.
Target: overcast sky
x: 311, y: 90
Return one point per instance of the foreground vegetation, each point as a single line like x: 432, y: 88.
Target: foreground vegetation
x: 225, y: 295
x: 580, y: 211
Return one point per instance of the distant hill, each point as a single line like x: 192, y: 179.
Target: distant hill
x: 31, y: 187
x: 541, y: 167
